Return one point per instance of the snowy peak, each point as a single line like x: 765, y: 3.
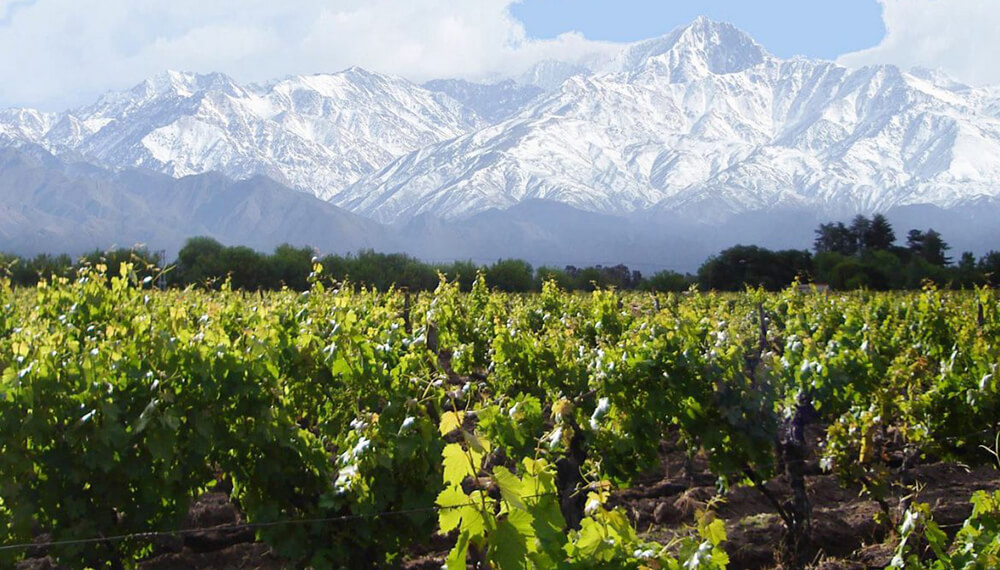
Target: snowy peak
x: 186, y: 84
x: 315, y: 133
x: 340, y: 85
x: 172, y: 85
x: 694, y: 51
x: 706, y: 124
x: 25, y: 124
x: 359, y: 107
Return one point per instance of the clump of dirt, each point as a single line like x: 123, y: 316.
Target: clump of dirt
x: 238, y: 556
x: 220, y: 542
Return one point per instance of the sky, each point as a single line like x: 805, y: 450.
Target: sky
x: 63, y: 53
x: 820, y: 29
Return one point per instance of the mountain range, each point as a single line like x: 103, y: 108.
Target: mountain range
x: 313, y: 133
x: 658, y: 156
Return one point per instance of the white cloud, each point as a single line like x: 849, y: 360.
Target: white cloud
x: 962, y: 37
x: 64, y: 52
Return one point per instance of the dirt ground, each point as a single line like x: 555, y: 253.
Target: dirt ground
x: 845, y: 534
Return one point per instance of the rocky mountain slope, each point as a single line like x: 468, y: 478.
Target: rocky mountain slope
x: 705, y: 122
x: 48, y: 205
x: 314, y: 133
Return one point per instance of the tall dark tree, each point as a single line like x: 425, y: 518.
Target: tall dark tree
x: 560, y: 276
x: 915, y: 242
x: 935, y: 248
x: 586, y: 278
x: 835, y: 238
x: 966, y: 274
x: 860, y: 227
x: 28, y: 272
x: 967, y: 262
x: 383, y: 270
x: 464, y: 272
x: 619, y: 277
x: 879, y: 235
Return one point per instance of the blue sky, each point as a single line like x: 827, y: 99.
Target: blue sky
x: 815, y: 28
x: 64, y: 53
x: 820, y: 29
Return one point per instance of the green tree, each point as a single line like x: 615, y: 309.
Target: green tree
x: 42, y: 266
x: 835, y: 238
x: 560, y: 276
x: 989, y: 266
x: 742, y: 265
x: 290, y: 266
x: 860, y: 228
x: 462, y: 271
x: 915, y: 242
x: 934, y: 249
x: 879, y: 235
x: 966, y: 273
x: 587, y: 278
x: 511, y: 275
x: 199, y: 260
x: 666, y: 280
x: 850, y: 274
x: 246, y: 267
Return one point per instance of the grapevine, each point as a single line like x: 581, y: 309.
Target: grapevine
x: 509, y: 424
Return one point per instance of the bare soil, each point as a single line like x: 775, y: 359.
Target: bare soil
x: 845, y: 534
x: 663, y: 504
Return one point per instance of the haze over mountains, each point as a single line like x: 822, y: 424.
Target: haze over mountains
x: 676, y: 147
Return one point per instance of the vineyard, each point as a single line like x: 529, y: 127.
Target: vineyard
x: 354, y: 428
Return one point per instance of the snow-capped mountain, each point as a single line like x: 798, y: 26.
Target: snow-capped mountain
x: 660, y: 153
x: 705, y: 122
x: 314, y: 133
x: 24, y: 124
x: 493, y: 102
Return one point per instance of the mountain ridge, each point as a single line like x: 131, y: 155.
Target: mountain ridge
x: 688, y: 124
x: 672, y: 146
x: 315, y: 133
x: 48, y: 205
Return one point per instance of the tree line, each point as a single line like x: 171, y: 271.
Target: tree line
x: 861, y: 254
x: 204, y: 262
